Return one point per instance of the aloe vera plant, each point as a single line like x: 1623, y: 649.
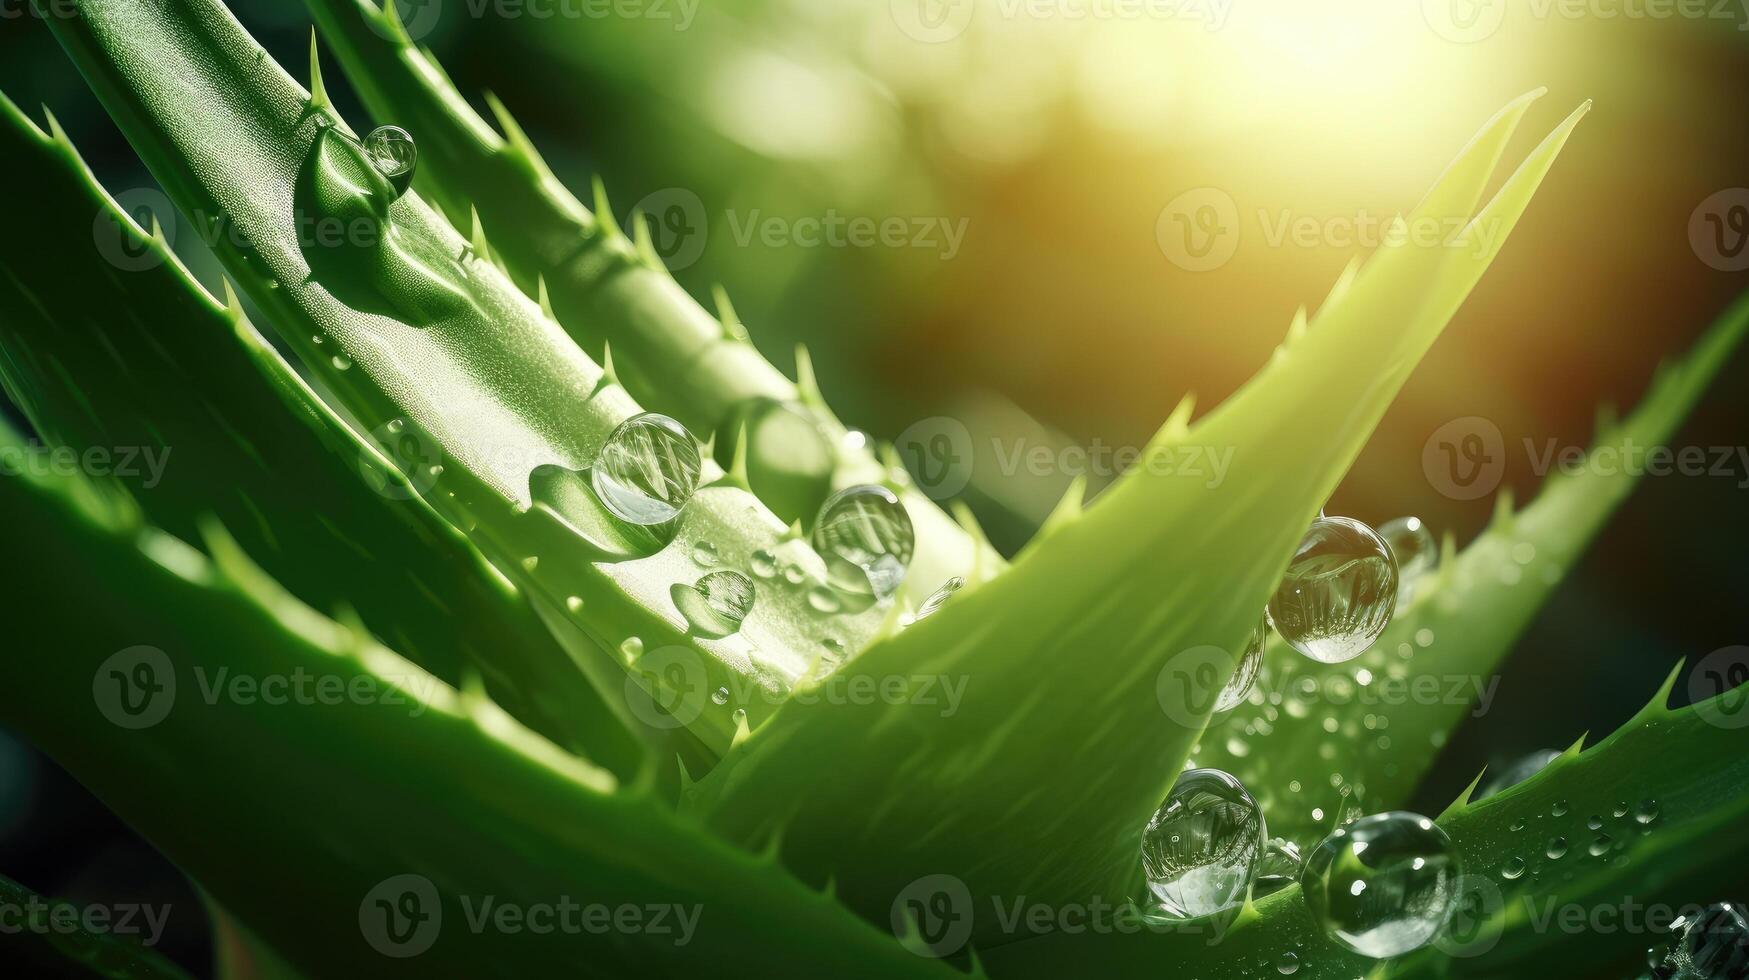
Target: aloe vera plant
x: 416, y: 514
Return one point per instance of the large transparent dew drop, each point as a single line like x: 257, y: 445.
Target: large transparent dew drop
x: 1245, y: 674
x: 1200, y: 848
x: 1339, y: 591
x: 1383, y: 885
x: 865, y: 536
x: 391, y: 150
x: 1416, y: 552
x: 647, y: 470
x: 717, y: 605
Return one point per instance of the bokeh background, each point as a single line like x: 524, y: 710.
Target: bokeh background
x: 1051, y: 137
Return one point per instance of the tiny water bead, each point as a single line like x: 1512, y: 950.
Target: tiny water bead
x: 763, y: 563
x: 1557, y: 848
x: 705, y: 554
x: 1646, y: 812
x: 1413, y: 547
x: 1513, y: 869
x: 1339, y: 591
x: 1245, y: 674
x: 647, y: 470
x: 1278, y: 868
x: 1201, y: 846
x: 720, y: 696
x: 1288, y: 964
x: 717, y: 605
x: 1600, y: 846
x: 392, y: 152
x: 939, y: 597
x: 865, y: 536
x: 1560, y: 808
x: 1383, y: 885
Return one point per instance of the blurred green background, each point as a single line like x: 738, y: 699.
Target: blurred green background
x: 1032, y: 151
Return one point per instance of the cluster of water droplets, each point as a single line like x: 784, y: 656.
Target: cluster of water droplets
x: 1547, y: 841
x: 1380, y: 885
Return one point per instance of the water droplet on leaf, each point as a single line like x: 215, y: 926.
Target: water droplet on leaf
x: 1339, y: 591
x: 1245, y: 673
x: 1201, y: 845
x: 717, y: 605
x: 1277, y: 868
x: 1383, y: 885
x: 647, y: 470
x: 865, y: 536
x: 391, y: 151
x: 1415, y: 551
x: 939, y: 597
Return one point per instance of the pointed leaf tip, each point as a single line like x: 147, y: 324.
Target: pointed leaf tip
x: 318, y: 92
x: 605, y: 221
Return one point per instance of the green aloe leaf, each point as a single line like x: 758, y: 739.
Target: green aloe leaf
x: 608, y: 291
x: 402, y: 776
x: 1661, y: 789
x: 49, y: 938
x: 112, y: 349
x: 1072, y: 725
x: 613, y: 293
x: 420, y: 335
x: 1376, y: 721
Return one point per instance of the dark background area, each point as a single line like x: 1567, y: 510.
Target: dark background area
x: 1061, y: 308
